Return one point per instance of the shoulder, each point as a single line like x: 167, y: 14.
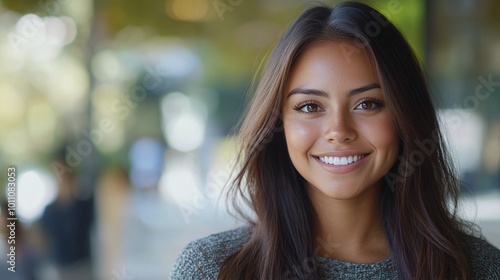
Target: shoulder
x: 202, y: 258
x: 484, y: 257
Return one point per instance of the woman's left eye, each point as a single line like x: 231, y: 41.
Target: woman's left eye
x: 369, y: 105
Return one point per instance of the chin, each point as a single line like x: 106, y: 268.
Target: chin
x: 336, y: 192
x: 342, y: 191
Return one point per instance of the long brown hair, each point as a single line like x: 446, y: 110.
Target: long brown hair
x: 424, y: 235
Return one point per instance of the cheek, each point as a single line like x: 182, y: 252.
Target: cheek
x: 383, y: 135
x: 299, y: 135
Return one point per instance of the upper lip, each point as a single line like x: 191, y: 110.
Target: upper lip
x: 340, y: 153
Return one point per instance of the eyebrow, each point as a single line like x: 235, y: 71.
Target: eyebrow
x: 321, y: 93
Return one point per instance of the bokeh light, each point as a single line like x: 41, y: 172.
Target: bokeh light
x: 146, y: 160
x: 35, y: 190
x: 190, y: 10
x: 183, y: 124
x: 467, y: 150
x: 180, y: 184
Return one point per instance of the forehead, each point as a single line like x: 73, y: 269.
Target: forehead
x: 328, y: 64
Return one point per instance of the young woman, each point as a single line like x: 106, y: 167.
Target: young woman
x: 344, y: 164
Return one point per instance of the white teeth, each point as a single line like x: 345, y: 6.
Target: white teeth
x: 336, y: 161
x: 341, y: 160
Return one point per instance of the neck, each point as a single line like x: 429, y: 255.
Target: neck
x: 350, y: 229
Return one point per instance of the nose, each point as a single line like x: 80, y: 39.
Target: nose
x: 339, y: 127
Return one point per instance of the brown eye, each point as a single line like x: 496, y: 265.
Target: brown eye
x: 310, y: 108
x: 369, y: 105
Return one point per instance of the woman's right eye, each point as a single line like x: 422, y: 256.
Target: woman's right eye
x: 307, y: 108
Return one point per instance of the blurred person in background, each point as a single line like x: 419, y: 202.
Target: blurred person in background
x: 345, y: 166
x: 112, y: 199
x: 66, y: 224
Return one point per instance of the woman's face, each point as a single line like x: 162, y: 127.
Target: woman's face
x: 339, y: 133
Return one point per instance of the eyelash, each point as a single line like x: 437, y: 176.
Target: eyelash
x: 378, y: 103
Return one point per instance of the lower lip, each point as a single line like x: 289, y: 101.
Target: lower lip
x: 341, y: 168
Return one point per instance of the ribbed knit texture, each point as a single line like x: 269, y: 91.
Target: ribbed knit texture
x: 201, y: 259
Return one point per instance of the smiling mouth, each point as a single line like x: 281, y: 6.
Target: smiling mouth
x: 342, y: 160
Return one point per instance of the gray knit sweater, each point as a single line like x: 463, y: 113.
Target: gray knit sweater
x: 201, y: 259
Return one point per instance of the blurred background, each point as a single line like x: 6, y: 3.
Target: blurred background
x: 119, y: 118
